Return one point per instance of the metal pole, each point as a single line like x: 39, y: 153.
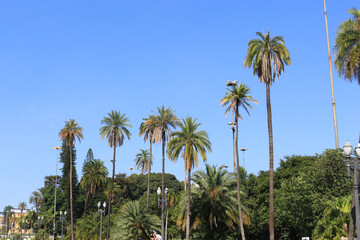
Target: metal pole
x: 62, y: 228
x: 57, y: 159
x: 356, y: 193
x: 39, y: 229
x: 162, y: 217
x: 101, y: 213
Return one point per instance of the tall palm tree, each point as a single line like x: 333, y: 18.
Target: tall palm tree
x: 190, y: 142
x: 22, y: 207
x: 36, y: 199
x: 115, y: 129
x: 70, y: 132
x: 347, y: 47
x: 142, y: 160
x: 268, y: 56
x: 147, y: 128
x: 238, y: 96
x: 94, y: 177
x: 165, y: 120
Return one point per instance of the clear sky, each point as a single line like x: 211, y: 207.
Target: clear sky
x: 82, y: 59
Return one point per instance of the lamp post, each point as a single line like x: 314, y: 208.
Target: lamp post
x: 62, y: 218
x: 131, y: 168
x: 347, y: 151
x: 57, y: 159
x: 232, y: 125
x: 162, y: 201
x: 40, y: 222
x: 101, y: 212
x: 243, y: 150
x: 24, y: 225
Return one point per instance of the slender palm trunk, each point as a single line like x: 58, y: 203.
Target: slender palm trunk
x: 111, y: 195
x: 238, y: 176
x: 149, y: 170
x: 271, y: 160
x: 163, y: 184
x: 188, y: 204
x: 86, y: 201
x: 185, y: 178
x: 331, y: 80
x: 20, y: 223
x: 71, y: 197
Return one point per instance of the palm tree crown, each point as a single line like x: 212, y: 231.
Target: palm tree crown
x: 347, y: 47
x: 237, y: 96
x: 115, y: 128
x: 268, y: 57
x: 70, y: 132
x: 143, y: 160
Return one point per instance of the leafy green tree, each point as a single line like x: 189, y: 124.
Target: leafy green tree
x: 147, y: 128
x: 347, y: 47
x: 189, y: 142
x: 70, y: 132
x: 333, y: 224
x: 88, y: 227
x: 143, y: 160
x: 238, y: 96
x: 268, y: 56
x: 115, y: 129
x: 134, y: 222
x: 94, y: 177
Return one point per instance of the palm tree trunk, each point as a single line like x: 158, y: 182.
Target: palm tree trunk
x: 185, y: 178
x: 331, y: 80
x: 86, y: 201
x: 238, y: 176
x: 188, y: 204
x: 71, y: 197
x: 110, y: 196
x: 149, y: 170
x: 163, y: 183
x: 271, y: 160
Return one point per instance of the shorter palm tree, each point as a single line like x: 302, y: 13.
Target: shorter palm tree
x: 189, y: 142
x: 88, y: 227
x: 143, y: 160
x: 36, y: 199
x: 214, y: 204
x: 135, y: 221
x: 94, y: 177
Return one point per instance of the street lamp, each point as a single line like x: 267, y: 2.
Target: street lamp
x: 131, y: 168
x: 57, y: 159
x: 347, y: 151
x: 231, y: 83
x: 243, y: 150
x: 162, y: 201
x: 102, y: 213
x: 24, y: 223
x: 62, y: 218
x: 40, y: 222
x: 232, y: 125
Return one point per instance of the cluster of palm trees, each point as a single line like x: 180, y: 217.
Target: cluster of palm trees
x: 268, y: 57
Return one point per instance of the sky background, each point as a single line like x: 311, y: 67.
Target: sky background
x: 82, y: 59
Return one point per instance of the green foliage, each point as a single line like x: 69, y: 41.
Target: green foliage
x: 333, y: 224
x: 133, y: 222
x: 347, y: 47
x: 88, y: 227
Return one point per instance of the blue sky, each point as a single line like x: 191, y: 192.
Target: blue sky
x: 82, y: 59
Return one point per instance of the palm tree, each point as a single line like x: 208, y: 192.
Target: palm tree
x: 164, y: 121
x: 347, y: 47
x: 36, y: 199
x: 70, y: 132
x: 94, y: 177
x: 135, y: 221
x: 268, y: 56
x: 88, y: 227
x: 189, y: 142
x: 142, y: 160
x: 7, y: 216
x: 238, y: 96
x: 22, y: 207
x: 213, y: 200
x: 147, y: 128
x: 115, y: 129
